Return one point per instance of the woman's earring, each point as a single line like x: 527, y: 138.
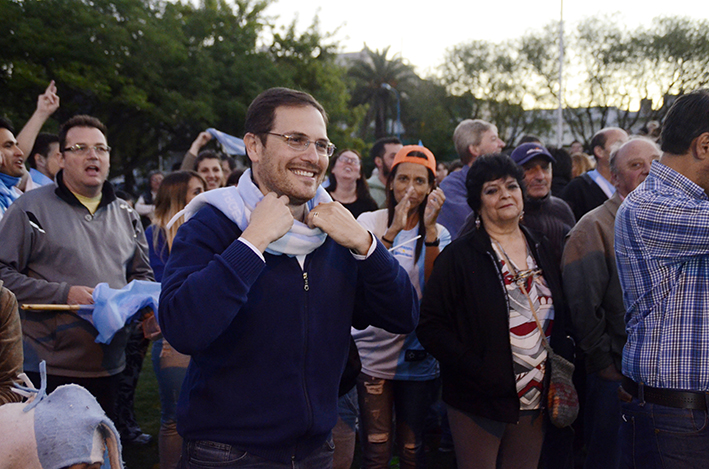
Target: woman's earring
x: 477, y: 222
x: 521, y: 216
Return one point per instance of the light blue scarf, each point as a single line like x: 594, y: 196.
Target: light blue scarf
x: 8, y: 192
x: 238, y: 202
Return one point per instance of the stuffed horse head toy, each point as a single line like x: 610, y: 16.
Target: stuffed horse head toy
x: 65, y: 429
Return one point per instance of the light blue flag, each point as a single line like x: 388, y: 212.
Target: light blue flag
x: 113, y: 309
x: 232, y: 145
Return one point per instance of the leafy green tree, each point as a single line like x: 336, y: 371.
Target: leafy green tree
x: 306, y: 61
x: 671, y: 58
x: 610, y: 71
x: 602, y: 91
x: 157, y: 72
x: 369, y: 74
x: 496, y: 84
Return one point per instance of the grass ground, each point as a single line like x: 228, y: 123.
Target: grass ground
x: 147, y: 410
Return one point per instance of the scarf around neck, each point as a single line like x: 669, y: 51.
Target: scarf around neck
x: 8, y: 192
x: 238, y: 202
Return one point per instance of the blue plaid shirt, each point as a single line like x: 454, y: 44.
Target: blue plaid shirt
x: 662, y: 251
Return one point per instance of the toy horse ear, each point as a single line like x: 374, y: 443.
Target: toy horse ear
x: 113, y: 445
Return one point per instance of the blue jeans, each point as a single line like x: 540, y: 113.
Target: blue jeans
x: 379, y: 399
x: 170, y: 369
x: 655, y: 436
x: 602, y: 423
x: 210, y: 454
x: 344, y: 435
x: 348, y: 409
x: 170, y: 380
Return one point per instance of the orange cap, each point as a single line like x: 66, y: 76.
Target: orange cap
x: 424, y: 157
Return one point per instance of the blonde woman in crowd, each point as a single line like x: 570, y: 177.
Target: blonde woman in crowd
x: 175, y: 192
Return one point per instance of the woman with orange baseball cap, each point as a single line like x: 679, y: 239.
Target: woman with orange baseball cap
x: 397, y: 373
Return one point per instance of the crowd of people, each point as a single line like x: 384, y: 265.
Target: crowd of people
x: 304, y: 305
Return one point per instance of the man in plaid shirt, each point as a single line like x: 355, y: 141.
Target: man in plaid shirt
x: 662, y: 252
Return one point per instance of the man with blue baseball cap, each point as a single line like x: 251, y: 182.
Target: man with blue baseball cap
x: 542, y: 211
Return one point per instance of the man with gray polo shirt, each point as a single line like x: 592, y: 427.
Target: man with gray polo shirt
x: 58, y: 242
x: 382, y: 153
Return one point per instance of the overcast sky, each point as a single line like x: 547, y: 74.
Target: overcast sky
x: 420, y: 31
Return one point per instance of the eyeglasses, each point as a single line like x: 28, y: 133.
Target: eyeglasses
x: 82, y: 150
x: 346, y: 159
x: 300, y: 143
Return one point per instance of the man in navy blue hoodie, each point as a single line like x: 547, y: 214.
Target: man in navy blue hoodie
x: 261, y: 287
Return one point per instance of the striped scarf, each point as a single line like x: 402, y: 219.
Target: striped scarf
x: 238, y: 202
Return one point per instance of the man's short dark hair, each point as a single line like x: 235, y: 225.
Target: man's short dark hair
x: 686, y: 120
x: 563, y: 164
x: 262, y: 110
x: 598, y: 140
x: 455, y: 165
x: 490, y: 168
x: 377, y: 149
x: 206, y: 155
x: 81, y: 120
x: 528, y: 138
x: 230, y: 161
x: 41, y: 147
x: 5, y: 124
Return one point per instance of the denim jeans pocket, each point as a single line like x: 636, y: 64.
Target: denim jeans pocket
x: 214, y: 454
x: 673, y: 420
x: 330, y: 444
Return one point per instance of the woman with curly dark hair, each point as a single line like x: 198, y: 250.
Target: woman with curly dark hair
x: 491, y: 294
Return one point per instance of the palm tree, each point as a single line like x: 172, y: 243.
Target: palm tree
x: 369, y: 74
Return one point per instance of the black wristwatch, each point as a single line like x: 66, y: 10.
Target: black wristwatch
x: 437, y: 242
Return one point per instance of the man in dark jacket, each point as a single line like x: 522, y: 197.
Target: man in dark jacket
x: 261, y: 288
x: 591, y: 189
x: 543, y: 212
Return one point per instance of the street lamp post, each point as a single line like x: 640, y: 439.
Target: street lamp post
x: 560, y: 115
x: 387, y: 86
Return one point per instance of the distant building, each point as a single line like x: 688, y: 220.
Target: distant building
x: 604, y: 117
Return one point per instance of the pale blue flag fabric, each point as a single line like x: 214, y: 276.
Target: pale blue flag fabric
x: 232, y: 145
x: 113, y: 309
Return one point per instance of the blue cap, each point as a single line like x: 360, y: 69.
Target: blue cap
x: 528, y: 151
